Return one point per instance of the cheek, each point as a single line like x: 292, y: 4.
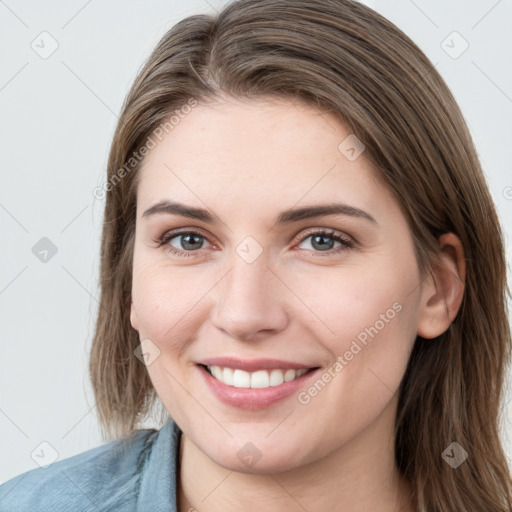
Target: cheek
x: 344, y: 304
x: 367, y: 319
x: 164, y: 297
x: 374, y: 336
x: 164, y: 303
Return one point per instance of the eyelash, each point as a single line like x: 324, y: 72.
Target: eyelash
x: 346, y: 242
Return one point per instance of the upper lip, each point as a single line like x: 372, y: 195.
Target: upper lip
x: 251, y: 365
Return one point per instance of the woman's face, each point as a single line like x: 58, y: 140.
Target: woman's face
x: 250, y: 287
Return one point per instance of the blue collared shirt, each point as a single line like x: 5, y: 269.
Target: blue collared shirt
x: 135, y: 474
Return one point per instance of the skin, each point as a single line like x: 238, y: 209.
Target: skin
x: 246, y: 161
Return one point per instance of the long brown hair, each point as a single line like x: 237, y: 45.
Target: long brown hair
x: 344, y: 58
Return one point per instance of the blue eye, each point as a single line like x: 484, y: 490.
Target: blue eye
x: 320, y: 239
x: 191, y: 242
x: 188, y: 241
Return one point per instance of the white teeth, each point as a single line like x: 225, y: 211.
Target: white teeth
x: 216, y: 372
x: 276, y: 377
x: 227, y: 376
x: 258, y: 379
x: 241, y: 379
x: 289, y: 375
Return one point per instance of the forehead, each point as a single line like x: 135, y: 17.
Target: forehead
x: 264, y: 152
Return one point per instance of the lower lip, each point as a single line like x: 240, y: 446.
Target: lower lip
x: 254, y: 398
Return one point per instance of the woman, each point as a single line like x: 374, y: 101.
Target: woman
x: 301, y: 261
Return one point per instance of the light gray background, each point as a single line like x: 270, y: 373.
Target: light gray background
x: 57, y: 118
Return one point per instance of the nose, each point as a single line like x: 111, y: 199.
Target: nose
x: 251, y: 301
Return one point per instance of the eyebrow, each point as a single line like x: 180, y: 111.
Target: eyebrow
x: 285, y: 217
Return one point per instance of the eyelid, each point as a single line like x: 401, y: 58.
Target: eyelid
x: 167, y: 235
x: 347, y: 242
x: 330, y: 231
x: 303, y: 234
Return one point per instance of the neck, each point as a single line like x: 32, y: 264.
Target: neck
x: 360, y: 475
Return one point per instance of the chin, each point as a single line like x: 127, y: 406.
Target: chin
x: 254, y: 460
x: 262, y: 467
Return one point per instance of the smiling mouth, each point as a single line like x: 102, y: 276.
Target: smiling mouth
x: 259, y: 379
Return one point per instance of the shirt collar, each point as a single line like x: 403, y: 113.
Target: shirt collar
x: 158, y: 487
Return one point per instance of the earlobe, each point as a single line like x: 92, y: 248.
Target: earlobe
x: 444, y: 290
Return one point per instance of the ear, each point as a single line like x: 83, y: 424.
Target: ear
x: 133, y: 317
x: 443, y: 291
